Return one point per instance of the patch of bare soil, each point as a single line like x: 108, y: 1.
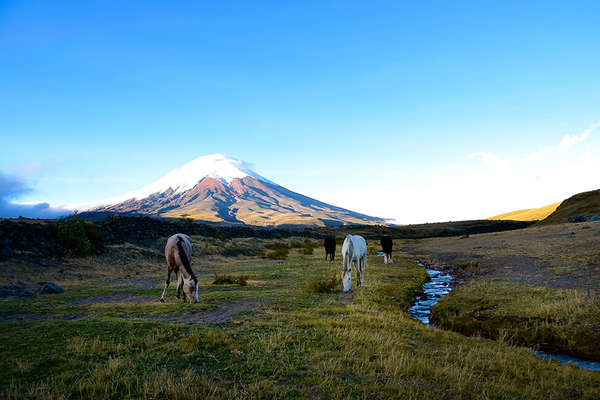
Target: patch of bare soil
x: 224, y: 313
x: 115, y: 298
x: 346, y: 297
x: 146, y: 283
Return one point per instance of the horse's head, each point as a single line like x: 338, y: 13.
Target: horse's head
x: 190, y: 288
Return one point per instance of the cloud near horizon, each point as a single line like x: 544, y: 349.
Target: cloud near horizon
x: 12, y: 187
x: 478, y: 185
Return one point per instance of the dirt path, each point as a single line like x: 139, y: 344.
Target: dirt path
x: 225, y: 312
x: 115, y: 298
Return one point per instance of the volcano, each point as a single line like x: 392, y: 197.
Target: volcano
x: 222, y: 189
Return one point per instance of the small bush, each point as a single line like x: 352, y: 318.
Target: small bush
x: 308, y: 247
x: 225, y: 279
x: 94, y: 235
x: 71, y: 234
x: 325, y: 285
x: 279, y: 251
x: 294, y: 244
x: 307, y: 250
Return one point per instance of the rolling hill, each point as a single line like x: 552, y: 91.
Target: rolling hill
x: 217, y: 188
x: 527, y: 214
x: 586, y: 204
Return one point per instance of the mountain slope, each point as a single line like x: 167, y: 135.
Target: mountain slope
x: 586, y: 204
x: 527, y: 214
x: 217, y: 188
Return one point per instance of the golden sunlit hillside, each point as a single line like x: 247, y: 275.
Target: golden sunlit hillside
x: 529, y: 214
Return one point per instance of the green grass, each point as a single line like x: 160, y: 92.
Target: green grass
x: 555, y: 320
x: 298, y: 344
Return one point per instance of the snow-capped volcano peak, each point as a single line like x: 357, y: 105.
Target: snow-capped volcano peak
x: 221, y: 167
x: 219, y: 188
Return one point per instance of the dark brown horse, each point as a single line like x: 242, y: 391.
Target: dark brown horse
x: 329, y: 243
x: 178, y: 253
x: 386, y: 245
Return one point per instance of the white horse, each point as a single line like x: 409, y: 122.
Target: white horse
x: 354, y: 250
x: 178, y: 253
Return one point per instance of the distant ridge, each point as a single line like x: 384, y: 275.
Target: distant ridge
x: 528, y: 214
x: 586, y: 204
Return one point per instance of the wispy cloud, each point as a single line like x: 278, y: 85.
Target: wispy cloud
x: 11, y: 188
x: 489, y: 158
x: 568, y: 140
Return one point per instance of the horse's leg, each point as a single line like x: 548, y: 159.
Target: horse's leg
x: 347, y: 273
x: 362, y: 273
x: 164, y: 293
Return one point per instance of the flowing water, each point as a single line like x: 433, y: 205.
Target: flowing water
x: 439, y: 286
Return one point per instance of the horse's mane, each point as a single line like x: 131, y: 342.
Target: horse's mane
x: 184, y: 259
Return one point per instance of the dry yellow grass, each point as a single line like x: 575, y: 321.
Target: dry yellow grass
x: 528, y: 214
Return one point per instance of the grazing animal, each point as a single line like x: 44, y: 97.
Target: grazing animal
x: 329, y: 243
x: 354, y: 250
x: 178, y: 253
x: 386, y: 245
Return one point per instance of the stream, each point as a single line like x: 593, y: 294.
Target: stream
x: 439, y: 286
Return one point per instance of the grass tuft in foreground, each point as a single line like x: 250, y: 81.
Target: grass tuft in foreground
x: 325, y: 285
x: 224, y: 279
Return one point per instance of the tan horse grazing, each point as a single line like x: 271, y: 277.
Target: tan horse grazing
x: 178, y: 253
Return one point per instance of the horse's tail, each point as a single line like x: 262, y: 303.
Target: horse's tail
x: 184, y: 259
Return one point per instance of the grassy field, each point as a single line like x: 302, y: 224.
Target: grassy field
x: 538, y: 286
x: 275, y: 337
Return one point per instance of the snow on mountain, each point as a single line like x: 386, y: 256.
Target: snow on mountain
x: 218, y: 166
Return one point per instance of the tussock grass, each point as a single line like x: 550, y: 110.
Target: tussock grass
x: 223, y: 279
x: 325, y: 285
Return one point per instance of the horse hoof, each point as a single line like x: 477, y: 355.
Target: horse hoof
x: 162, y: 300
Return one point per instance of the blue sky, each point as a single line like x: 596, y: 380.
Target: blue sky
x: 417, y: 111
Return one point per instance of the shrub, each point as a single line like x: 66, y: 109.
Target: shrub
x: 94, y: 235
x: 224, y: 279
x: 279, y: 251
x: 325, y: 285
x: 294, y: 244
x: 71, y: 234
x: 307, y: 250
x: 308, y: 247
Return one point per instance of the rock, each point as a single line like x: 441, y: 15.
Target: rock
x: 50, y: 288
x: 44, y: 263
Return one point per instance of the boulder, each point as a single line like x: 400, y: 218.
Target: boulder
x: 50, y: 288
